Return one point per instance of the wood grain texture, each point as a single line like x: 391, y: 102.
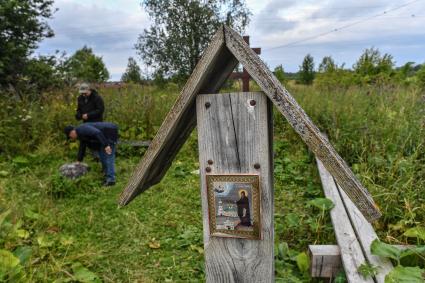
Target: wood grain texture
x: 235, y: 136
x: 302, y: 124
x: 325, y: 261
x: 351, y: 251
x: 134, y: 143
x: 365, y: 235
x: 216, y: 64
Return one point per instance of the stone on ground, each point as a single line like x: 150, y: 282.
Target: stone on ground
x: 74, y: 170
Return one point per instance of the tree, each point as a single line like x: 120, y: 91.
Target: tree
x: 327, y: 65
x: 182, y: 29
x: 132, y: 73
x: 279, y: 72
x: 372, y: 63
x: 306, y: 73
x: 84, y: 65
x: 43, y: 73
x: 23, y: 24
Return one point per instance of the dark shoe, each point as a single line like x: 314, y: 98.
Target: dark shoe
x: 108, y: 184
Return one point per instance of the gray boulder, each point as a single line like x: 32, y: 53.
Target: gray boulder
x: 74, y: 170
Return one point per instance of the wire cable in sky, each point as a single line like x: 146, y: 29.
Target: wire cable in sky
x: 342, y: 27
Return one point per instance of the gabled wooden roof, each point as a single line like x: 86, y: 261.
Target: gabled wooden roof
x: 226, y: 49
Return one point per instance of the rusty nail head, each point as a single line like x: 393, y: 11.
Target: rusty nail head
x: 257, y: 166
x: 208, y: 169
x: 253, y: 102
x: 210, y: 162
x: 207, y: 105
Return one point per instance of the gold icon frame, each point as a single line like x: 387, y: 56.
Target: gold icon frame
x: 235, y: 180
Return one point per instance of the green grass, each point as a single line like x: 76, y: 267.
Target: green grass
x: 158, y: 237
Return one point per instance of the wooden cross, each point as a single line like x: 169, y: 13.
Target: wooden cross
x: 244, y: 75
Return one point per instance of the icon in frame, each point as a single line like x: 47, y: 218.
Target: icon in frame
x: 234, y: 206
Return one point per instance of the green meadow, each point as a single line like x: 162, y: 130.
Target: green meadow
x: 57, y: 230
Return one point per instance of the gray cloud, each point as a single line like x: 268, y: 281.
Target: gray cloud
x: 111, y: 29
x: 111, y: 32
x: 269, y: 19
x: 397, y: 32
x: 349, y: 9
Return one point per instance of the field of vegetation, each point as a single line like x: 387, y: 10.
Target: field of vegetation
x: 57, y: 230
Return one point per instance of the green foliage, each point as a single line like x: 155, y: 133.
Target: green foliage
x: 61, y: 186
x: 84, y: 65
x: 290, y: 265
x: 43, y: 73
x: 82, y: 274
x: 23, y: 25
x: 132, y: 73
x: 421, y: 77
x: 367, y: 270
x: 322, y: 203
x: 402, y: 274
x: 416, y: 232
x: 327, y: 65
x: 306, y: 72
x: 9, y: 265
x: 182, y: 29
x: 303, y: 262
x: 373, y: 67
x: 393, y: 252
x: 280, y: 74
x: 405, y: 72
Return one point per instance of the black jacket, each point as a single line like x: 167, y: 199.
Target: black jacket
x: 92, y: 106
x: 95, y: 136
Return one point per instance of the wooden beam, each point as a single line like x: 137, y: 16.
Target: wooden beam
x: 365, y: 235
x: 325, y: 260
x: 134, y: 143
x: 351, y: 251
x: 210, y: 73
x: 302, y: 124
x: 235, y: 135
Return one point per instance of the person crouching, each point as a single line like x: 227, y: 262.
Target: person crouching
x: 99, y: 136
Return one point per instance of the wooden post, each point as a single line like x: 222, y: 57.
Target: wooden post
x: 244, y: 75
x: 325, y: 261
x: 234, y: 135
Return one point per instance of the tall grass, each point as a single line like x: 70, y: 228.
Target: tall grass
x: 382, y: 136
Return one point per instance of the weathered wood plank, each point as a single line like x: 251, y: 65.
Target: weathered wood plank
x: 351, y: 251
x: 366, y: 235
x: 325, y: 261
x: 235, y: 136
x: 134, y: 143
x: 215, y: 66
x: 302, y: 124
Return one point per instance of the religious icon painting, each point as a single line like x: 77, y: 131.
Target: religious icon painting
x: 234, y: 206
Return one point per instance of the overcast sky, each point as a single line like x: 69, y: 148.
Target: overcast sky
x: 280, y: 27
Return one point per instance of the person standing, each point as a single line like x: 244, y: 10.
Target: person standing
x: 99, y: 136
x: 90, y: 106
x: 243, y: 209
